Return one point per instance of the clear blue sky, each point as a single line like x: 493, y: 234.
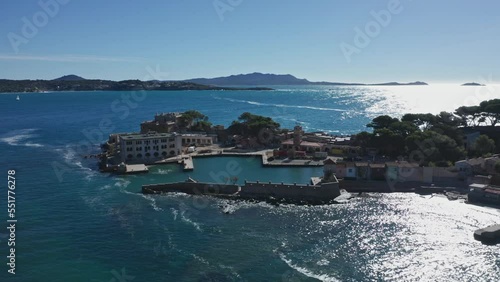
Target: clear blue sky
x: 428, y: 40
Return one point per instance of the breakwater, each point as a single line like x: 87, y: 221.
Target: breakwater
x: 260, y: 191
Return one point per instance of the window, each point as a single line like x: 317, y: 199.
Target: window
x: 129, y: 143
x: 138, y: 149
x: 156, y: 154
x: 350, y: 170
x: 148, y: 155
x: 163, y: 140
x: 138, y: 142
x: 155, y: 141
x: 139, y: 156
x: 130, y: 156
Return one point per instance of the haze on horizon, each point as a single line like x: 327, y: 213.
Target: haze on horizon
x: 336, y: 41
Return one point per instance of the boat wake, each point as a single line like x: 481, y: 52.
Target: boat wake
x: 150, y: 199
x: 19, y: 138
x: 280, y: 105
x: 307, y: 272
x: 187, y: 220
x: 70, y: 158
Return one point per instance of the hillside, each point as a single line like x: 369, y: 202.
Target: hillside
x: 257, y: 78
x: 105, y: 85
x: 70, y: 77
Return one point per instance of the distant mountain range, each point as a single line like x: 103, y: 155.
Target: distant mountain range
x: 254, y: 80
x: 257, y: 78
x: 77, y: 83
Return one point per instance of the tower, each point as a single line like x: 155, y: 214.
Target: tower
x: 297, y: 135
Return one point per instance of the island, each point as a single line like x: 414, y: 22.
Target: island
x: 472, y: 84
x: 76, y: 83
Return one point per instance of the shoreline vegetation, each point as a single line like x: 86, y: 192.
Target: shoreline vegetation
x: 251, y: 81
x: 33, y: 86
x: 436, y: 140
x: 254, y: 81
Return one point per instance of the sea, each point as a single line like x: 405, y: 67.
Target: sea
x: 77, y: 224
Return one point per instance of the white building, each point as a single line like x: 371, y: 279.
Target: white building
x: 151, y: 147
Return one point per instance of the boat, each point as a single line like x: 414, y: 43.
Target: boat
x: 17, y: 98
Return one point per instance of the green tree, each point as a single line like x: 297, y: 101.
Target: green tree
x: 194, y: 120
x: 430, y: 146
x: 422, y: 121
x: 382, y: 122
x: 403, y: 128
x: 469, y: 115
x: 483, y: 145
x: 491, y: 110
x: 251, y: 125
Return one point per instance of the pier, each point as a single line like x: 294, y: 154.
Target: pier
x: 322, y: 193
x: 187, y: 163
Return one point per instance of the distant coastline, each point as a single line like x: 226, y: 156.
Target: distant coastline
x: 257, y: 78
x: 75, y: 83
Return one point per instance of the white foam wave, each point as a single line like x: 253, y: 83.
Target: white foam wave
x: 307, y: 272
x: 323, y: 262
x: 163, y: 171
x: 175, y: 213
x: 70, y: 158
x: 122, y: 183
x: 105, y: 187
x: 186, y: 219
x: 283, y: 105
x: 17, y: 138
x: 152, y: 200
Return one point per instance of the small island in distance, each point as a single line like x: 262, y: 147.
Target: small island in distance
x: 473, y: 84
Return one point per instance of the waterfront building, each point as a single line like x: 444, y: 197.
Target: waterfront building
x: 149, y: 147
x: 340, y: 169
x: 153, y: 146
x: 162, y: 123
x: 193, y: 139
x: 362, y: 171
x: 350, y: 171
x: 486, y: 194
x: 329, y: 166
x: 377, y: 171
x: 391, y: 171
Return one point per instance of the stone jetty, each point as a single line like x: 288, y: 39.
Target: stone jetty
x: 488, y: 235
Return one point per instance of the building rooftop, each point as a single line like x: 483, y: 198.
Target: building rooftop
x: 139, y: 136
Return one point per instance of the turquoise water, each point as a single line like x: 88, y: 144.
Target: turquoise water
x: 75, y: 224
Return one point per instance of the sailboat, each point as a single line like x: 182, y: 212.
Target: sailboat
x: 17, y: 98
